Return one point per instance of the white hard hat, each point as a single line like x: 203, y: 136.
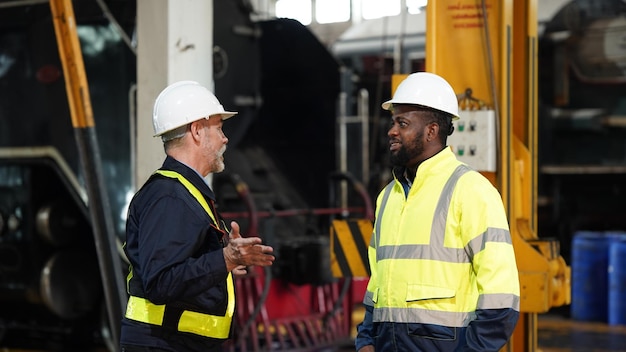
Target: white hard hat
x: 184, y: 102
x: 426, y: 89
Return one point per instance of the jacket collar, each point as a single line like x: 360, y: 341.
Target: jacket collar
x: 190, y: 174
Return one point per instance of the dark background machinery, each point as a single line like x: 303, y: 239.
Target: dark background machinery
x: 51, y: 292
x: 280, y: 180
x: 582, y: 132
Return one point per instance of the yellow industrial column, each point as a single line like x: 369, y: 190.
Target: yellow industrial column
x: 487, y: 50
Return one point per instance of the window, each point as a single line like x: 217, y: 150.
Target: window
x: 297, y: 9
x: 371, y: 9
x: 331, y: 11
x: 415, y: 6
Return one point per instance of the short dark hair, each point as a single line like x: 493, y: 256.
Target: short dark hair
x: 441, y: 118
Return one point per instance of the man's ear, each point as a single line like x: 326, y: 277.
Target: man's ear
x: 195, y: 128
x: 432, y: 132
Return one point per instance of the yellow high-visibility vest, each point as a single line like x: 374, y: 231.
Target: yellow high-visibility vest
x: 442, y: 252
x: 214, y: 326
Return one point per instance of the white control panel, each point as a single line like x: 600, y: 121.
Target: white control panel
x: 474, y: 139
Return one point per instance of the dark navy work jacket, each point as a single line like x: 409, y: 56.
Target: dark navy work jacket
x: 175, y: 252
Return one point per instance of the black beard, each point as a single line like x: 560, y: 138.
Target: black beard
x: 403, y: 156
x: 399, y: 158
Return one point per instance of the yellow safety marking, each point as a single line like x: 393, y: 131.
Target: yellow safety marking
x: 349, y: 242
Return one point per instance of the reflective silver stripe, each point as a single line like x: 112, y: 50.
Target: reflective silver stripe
x: 492, y: 235
x: 443, y: 205
x: 436, y: 233
x: 416, y: 315
x: 388, y: 188
x: 368, y: 299
x: 498, y: 300
x: 453, y: 255
x: 435, y: 250
x: 422, y: 251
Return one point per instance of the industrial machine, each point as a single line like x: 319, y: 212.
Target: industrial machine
x: 61, y: 274
x: 581, y: 130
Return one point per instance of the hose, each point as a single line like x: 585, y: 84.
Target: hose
x: 358, y: 187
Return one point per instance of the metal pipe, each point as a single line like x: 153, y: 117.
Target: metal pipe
x: 116, y: 25
x: 364, y: 114
x: 343, y: 144
x: 84, y: 132
x: 22, y: 3
x: 294, y: 212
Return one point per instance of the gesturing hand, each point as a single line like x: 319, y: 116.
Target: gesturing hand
x: 240, y: 270
x: 246, y: 251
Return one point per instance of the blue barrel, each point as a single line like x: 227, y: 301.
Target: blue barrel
x: 589, y: 262
x: 617, y: 282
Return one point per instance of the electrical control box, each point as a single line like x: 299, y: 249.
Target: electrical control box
x: 474, y: 139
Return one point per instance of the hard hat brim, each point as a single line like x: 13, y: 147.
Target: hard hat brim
x: 227, y: 114
x: 388, y: 105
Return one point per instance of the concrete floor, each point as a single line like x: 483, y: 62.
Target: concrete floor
x: 557, y: 333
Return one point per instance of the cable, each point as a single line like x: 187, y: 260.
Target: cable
x: 260, y: 304
x: 118, y: 28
